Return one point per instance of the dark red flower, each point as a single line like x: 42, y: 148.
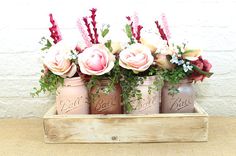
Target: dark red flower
x: 93, y: 15
x: 85, y: 19
x: 161, y: 31
x: 204, y: 66
x: 55, y: 32
x: 139, y: 28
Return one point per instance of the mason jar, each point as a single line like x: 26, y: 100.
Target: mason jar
x: 72, y: 97
x: 150, y: 102
x: 178, y: 98
x: 102, y: 102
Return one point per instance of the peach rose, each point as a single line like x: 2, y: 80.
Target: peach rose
x: 136, y: 57
x: 96, y: 60
x: 58, y: 62
x: 154, y: 43
x: 163, y: 62
x: 191, y: 54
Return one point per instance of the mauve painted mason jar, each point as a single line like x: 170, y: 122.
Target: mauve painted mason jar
x: 180, y: 102
x: 72, y: 97
x: 150, y: 102
x: 102, y: 103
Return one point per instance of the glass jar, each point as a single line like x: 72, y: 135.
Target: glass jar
x: 178, y: 98
x: 72, y: 97
x: 105, y: 103
x: 150, y: 102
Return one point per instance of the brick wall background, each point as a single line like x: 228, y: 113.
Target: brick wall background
x: 211, y: 24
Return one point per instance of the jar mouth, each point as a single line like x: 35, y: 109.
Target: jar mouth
x: 149, y: 80
x: 74, y: 81
x: 184, y: 81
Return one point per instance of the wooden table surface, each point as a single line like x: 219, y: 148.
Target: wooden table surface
x: 24, y: 137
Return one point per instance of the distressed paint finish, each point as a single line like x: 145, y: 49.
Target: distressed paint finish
x: 123, y: 128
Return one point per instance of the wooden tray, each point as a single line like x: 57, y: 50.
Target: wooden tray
x: 126, y: 128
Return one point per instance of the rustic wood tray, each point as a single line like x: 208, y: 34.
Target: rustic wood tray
x: 126, y: 128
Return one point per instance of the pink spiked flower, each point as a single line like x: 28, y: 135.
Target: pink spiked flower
x: 93, y: 22
x: 161, y: 31
x: 135, y: 22
x: 55, y: 32
x: 166, y: 26
x: 83, y: 34
x: 85, y: 19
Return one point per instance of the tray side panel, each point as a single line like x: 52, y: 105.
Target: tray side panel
x: 126, y: 130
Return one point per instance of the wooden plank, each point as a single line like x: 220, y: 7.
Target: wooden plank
x: 123, y: 128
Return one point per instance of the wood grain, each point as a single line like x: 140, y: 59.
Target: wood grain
x: 123, y: 128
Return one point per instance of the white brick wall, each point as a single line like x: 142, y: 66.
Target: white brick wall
x: 208, y: 23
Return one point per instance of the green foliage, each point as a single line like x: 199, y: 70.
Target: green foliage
x: 108, y: 45
x: 49, y: 83
x: 174, y: 76
x: 129, y: 83
x: 105, y: 31
x: 129, y: 33
x: 46, y: 43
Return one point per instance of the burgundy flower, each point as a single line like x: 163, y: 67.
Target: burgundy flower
x: 203, y: 70
x: 136, y: 32
x: 93, y: 22
x: 55, y: 32
x: 139, y: 28
x: 161, y: 31
x: 85, y: 19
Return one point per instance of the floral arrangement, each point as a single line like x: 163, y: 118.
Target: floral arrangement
x: 128, y: 64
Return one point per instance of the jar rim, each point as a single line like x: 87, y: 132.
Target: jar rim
x: 74, y: 81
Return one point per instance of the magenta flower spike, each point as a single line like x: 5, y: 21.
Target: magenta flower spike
x: 161, y: 31
x: 85, y: 19
x: 93, y: 22
x: 55, y: 32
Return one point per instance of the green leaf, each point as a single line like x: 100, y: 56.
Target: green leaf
x: 105, y: 32
x: 128, y: 30
x: 207, y: 74
x: 108, y: 45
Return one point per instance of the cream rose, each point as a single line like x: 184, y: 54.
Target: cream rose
x: 191, y: 54
x: 163, y: 62
x: 136, y: 57
x: 96, y: 60
x: 116, y: 47
x: 154, y: 43
x: 58, y: 62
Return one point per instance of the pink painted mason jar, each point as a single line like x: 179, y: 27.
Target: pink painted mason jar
x: 150, y: 102
x: 182, y: 101
x: 72, y: 97
x: 105, y: 103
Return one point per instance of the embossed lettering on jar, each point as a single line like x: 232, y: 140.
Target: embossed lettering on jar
x: 179, y: 98
x: 149, y: 104
x: 72, y: 97
x: 105, y: 103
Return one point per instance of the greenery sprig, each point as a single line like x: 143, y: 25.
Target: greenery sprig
x: 49, y: 82
x: 130, y: 82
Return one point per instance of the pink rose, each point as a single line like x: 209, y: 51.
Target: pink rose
x: 96, y: 60
x: 58, y: 62
x: 136, y: 57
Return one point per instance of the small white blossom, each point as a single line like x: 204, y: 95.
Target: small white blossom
x: 174, y: 59
x: 187, y: 67
x: 180, y: 62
